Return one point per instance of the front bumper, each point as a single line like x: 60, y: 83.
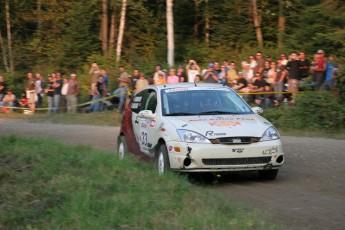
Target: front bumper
x: 222, y: 157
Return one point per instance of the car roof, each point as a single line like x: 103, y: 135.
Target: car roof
x: 185, y: 84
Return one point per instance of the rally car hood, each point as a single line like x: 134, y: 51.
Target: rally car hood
x: 216, y: 126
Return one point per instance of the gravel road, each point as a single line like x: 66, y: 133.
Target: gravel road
x: 309, y: 192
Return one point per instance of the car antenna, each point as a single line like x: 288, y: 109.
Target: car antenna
x: 194, y: 80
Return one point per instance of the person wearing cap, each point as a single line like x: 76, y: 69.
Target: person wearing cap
x: 331, y: 74
x: 161, y: 79
x: 320, y: 69
x: 8, y: 100
x: 210, y: 75
x: 72, y: 93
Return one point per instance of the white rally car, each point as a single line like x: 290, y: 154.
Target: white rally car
x: 200, y: 127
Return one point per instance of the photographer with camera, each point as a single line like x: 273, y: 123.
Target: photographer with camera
x: 192, y: 69
x: 210, y: 75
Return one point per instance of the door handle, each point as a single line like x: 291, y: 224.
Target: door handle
x: 136, y: 121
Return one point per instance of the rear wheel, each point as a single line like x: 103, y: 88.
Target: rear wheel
x: 122, y: 147
x: 268, y: 174
x: 163, y: 163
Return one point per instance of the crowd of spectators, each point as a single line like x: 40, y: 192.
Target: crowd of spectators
x: 261, y: 79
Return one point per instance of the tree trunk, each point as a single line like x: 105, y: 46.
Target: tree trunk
x: 121, y: 31
x: 39, y: 17
x: 170, y: 30
x: 104, y: 27
x: 281, y: 24
x: 9, y: 35
x: 257, y: 24
x: 112, y: 33
x: 207, y: 25
x: 4, y: 53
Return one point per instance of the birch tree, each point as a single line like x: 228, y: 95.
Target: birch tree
x: 170, y: 30
x: 9, y: 35
x: 4, y: 53
x: 104, y: 27
x: 121, y: 31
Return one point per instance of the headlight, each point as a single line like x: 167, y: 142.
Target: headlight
x: 270, y: 134
x: 190, y: 136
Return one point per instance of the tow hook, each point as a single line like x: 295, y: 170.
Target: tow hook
x: 187, y: 161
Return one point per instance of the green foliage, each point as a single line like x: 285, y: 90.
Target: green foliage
x: 314, y: 111
x: 56, y: 186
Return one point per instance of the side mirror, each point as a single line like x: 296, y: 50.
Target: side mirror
x: 146, y: 114
x: 257, y: 110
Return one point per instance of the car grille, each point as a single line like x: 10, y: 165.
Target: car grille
x: 237, y: 161
x: 235, y: 140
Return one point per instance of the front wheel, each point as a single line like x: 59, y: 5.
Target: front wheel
x: 122, y: 147
x: 268, y: 174
x: 163, y: 163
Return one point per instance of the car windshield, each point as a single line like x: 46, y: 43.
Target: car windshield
x: 202, y: 101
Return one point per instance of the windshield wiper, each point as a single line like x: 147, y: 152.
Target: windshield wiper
x: 215, y: 112
x: 180, y: 114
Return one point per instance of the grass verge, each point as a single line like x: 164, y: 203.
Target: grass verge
x: 49, y: 185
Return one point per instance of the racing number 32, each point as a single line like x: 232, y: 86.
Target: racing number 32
x: 144, y: 138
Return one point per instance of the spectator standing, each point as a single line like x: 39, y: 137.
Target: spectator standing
x: 2, y: 87
x: 94, y: 72
x: 180, y: 73
x: 141, y: 83
x: 156, y: 74
x: 31, y: 92
x: 271, y: 74
x: 161, y: 80
x: 293, y: 67
x: 331, y: 73
x: 105, y: 80
x: 172, y: 78
x: 72, y: 93
x: 260, y: 63
x: 50, y: 93
x: 226, y: 63
x: 231, y: 75
x: 210, y: 75
x: 252, y: 64
x: 8, y: 100
x: 100, y: 90
x: 279, y: 81
x: 217, y: 67
x: 267, y: 66
x: 313, y: 67
x: 192, y: 69
x: 64, y: 91
x: 320, y: 69
x: 39, y: 90
x: 57, y: 92
x: 121, y: 91
x: 284, y: 59
x: 134, y: 78
x: 222, y: 75
x: 304, y: 67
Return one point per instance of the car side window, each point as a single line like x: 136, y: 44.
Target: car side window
x: 141, y: 101
x: 151, y: 102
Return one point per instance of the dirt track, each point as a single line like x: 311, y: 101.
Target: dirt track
x: 309, y: 192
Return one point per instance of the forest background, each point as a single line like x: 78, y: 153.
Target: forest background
x: 67, y: 35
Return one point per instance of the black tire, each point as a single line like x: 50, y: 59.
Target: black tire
x: 122, y: 147
x: 162, y: 160
x: 268, y: 174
